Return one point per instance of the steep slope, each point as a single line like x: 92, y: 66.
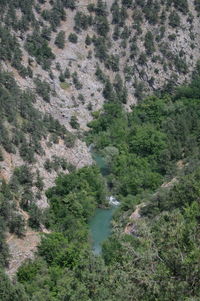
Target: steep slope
x: 60, y: 61
x: 132, y: 47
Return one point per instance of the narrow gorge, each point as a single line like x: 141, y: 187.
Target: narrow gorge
x: 99, y: 106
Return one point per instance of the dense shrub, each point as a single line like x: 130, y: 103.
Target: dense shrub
x: 38, y: 47
x: 60, y: 40
x: 73, y: 38
x: 149, y: 43
x: 174, y: 19
x: 43, y: 89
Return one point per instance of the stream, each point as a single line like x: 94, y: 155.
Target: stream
x: 100, y: 227
x: 100, y: 223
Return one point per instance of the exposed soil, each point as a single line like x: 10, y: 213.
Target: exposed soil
x: 21, y: 249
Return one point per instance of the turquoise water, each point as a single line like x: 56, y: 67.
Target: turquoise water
x: 100, y: 224
x: 100, y: 163
x: 100, y: 227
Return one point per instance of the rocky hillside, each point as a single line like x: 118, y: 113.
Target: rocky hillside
x: 60, y: 61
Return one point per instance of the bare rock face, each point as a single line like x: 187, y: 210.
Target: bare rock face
x: 78, y: 156
x: 153, y: 53
x: 21, y: 249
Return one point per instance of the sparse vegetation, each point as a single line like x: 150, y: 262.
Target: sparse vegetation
x: 64, y: 85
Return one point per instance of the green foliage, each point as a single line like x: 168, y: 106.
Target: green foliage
x: 9, y: 16
x: 88, y: 40
x: 120, y: 89
x: 180, y: 64
x: 26, y: 151
x: 17, y: 225
x: 74, y: 122
x: 15, y: 105
x: 10, y: 50
x: 130, y: 169
x: 46, y: 33
x: 72, y: 202
x: 73, y: 38
x: 101, y: 49
x: 4, y: 250
x: 174, y: 19
x: 36, y: 216
x: 81, y: 98
x: 38, y: 47
x: 67, y: 73
x: 142, y: 59
x: 82, y: 21
x: 39, y: 181
x: 147, y: 141
x: 133, y: 49
x: 62, y: 77
x: 43, y: 89
x: 112, y: 63
x: 22, y: 127
x: 55, y: 15
x: 160, y: 260
x: 69, y: 4
x: 76, y: 81
x: 101, y: 9
x: 149, y: 43
x: 102, y: 26
x: 8, y: 43
x: 181, y: 5
x: 116, y: 33
x: 127, y: 3
x: 29, y: 270
x: 151, y: 11
x: 60, y: 39
x: 1, y: 155
x: 108, y: 91
x: 58, y: 163
x: 197, y: 5
x: 139, y: 90
x: 9, y: 291
x: 115, y: 12
x: 56, y: 250
x: 100, y: 75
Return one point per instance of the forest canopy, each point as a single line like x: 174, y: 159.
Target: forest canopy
x: 160, y: 260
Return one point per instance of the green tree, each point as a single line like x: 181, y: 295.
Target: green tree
x: 73, y: 38
x: 60, y: 39
x: 174, y: 19
x: 149, y: 43
x: 88, y: 40
x: 74, y: 122
x: 17, y: 225
x: 9, y: 292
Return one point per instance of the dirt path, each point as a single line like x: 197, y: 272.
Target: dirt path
x: 24, y: 213
x: 9, y: 238
x: 130, y: 227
